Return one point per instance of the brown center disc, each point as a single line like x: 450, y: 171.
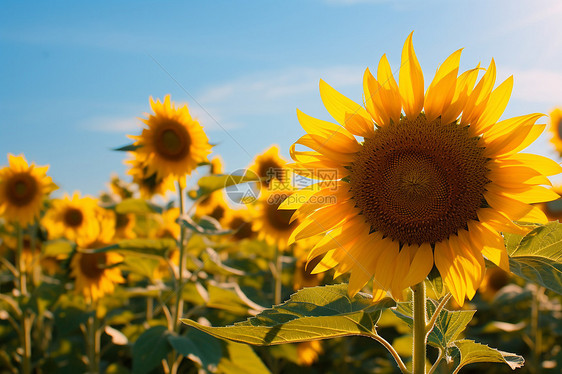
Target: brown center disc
x: 418, y: 181
x: 172, y: 141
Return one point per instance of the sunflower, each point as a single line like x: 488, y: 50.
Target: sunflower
x: 273, y: 225
x: 427, y: 187
x: 174, y: 143
x: 149, y: 184
x: 270, y: 165
x: 308, y: 352
x: 74, y: 218
x: 216, y: 166
x: 125, y: 225
x: 240, y: 222
x: 556, y: 129
x: 23, y: 188
x: 97, y: 273
x: 213, y: 205
x: 168, y: 226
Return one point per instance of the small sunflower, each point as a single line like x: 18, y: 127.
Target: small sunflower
x: 168, y: 226
x: 270, y: 165
x: 125, y: 225
x: 96, y: 273
x: 149, y: 184
x: 273, y: 225
x: 74, y: 218
x: 308, y: 352
x: 428, y: 187
x: 174, y: 143
x: 556, y: 129
x: 23, y: 188
x: 217, y: 166
x: 240, y: 222
x: 214, y: 205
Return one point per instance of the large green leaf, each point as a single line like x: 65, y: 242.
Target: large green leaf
x: 149, y: 349
x: 145, y: 247
x: 205, y: 226
x: 310, y: 314
x: 199, y: 347
x: 241, y: 359
x: 211, y: 183
x: 471, y: 352
x: 448, y: 325
x: 537, y: 257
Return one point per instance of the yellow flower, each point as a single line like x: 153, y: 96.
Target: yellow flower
x: 556, y: 129
x: 149, y: 184
x: 213, y: 205
x: 95, y: 273
x: 174, y: 143
x: 240, y: 221
x: 270, y: 165
x: 73, y: 218
x: 168, y: 227
x: 23, y: 188
x: 216, y: 165
x: 125, y: 225
x: 274, y: 225
x: 307, y: 352
x: 424, y: 188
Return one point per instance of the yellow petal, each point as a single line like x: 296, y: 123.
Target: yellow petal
x: 338, y: 106
x: 324, y: 128
x: 478, y: 98
x: 421, y: 264
x: 543, y: 164
x: 500, y: 222
x: 390, y: 93
x: 442, y: 89
x: 495, y: 106
x: 465, y: 84
x: 411, y: 81
x: 444, y: 261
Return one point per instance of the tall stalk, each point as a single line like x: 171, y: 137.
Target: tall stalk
x: 25, y: 335
x: 420, y: 335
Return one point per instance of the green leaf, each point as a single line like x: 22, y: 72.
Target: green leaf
x: 241, y: 359
x: 537, y: 257
x: 205, y: 227
x: 211, y: 183
x: 53, y: 248
x: 199, y: 347
x: 448, y: 325
x: 471, y: 352
x: 128, y: 148
x: 232, y: 300
x: 149, y: 349
x: 140, y: 265
x: 213, y: 264
x: 136, y: 206
x: 144, y: 247
x: 310, y: 314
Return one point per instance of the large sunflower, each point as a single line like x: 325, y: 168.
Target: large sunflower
x: 74, y: 218
x: 23, y: 188
x: 174, y: 143
x: 272, y: 224
x: 434, y: 185
x: 556, y: 129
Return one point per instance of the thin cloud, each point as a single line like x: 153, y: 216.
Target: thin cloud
x: 537, y: 85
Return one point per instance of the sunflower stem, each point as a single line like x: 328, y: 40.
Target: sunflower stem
x: 420, y: 323
x: 178, y: 310
x: 392, y: 351
x: 535, y: 328
x: 25, y: 331
x: 277, y: 276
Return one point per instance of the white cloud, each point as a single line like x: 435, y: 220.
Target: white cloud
x: 537, y: 85
x: 118, y: 124
x: 274, y: 92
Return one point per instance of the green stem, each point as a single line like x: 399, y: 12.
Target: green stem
x: 392, y: 351
x: 420, y: 336
x: 277, y: 276
x: 178, y: 310
x: 535, y: 328
x: 25, y: 335
x: 93, y: 343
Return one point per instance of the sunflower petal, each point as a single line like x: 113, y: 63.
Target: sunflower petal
x: 411, y: 81
x: 442, y: 89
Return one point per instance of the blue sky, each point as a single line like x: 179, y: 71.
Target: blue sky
x: 75, y: 76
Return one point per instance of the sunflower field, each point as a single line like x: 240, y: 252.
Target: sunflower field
x: 411, y: 234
